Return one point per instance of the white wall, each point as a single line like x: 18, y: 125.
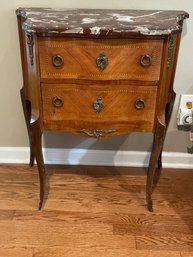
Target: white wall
x: 12, y: 129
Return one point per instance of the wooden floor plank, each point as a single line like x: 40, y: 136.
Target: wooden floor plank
x: 77, y: 240
x: 101, y: 252
x: 16, y: 251
x: 148, y: 219
x: 95, y: 211
x: 155, y: 230
x: 178, y: 243
x: 186, y: 254
x: 45, y: 227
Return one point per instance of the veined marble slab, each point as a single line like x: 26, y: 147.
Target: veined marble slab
x: 101, y: 21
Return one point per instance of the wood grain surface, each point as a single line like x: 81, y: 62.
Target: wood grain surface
x: 119, y: 112
x: 80, y: 55
x: 95, y: 211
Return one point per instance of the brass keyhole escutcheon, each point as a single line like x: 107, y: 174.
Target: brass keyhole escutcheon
x: 102, y: 61
x: 98, y: 105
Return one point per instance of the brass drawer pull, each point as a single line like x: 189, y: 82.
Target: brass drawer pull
x: 57, y: 61
x: 98, y: 105
x: 140, y: 104
x: 97, y: 132
x: 102, y: 61
x: 146, y: 60
x: 57, y: 102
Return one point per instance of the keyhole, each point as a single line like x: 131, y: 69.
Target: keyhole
x: 102, y: 61
x: 98, y: 105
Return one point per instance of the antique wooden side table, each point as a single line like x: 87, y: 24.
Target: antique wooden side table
x: 98, y: 73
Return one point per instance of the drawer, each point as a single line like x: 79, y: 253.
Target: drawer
x: 95, y: 59
x: 116, y: 109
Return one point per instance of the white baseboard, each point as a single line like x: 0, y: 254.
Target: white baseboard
x: 96, y: 157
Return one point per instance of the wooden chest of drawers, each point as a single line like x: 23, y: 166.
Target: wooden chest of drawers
x: 98, y: 73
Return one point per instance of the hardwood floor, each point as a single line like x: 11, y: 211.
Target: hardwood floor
x: 95, y: 211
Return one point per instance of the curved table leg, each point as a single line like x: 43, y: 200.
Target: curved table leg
x: 27, y: 114
x: 37, y: 150
x: 35, y: 134
x: 157, y: 147
x: 168, y: 113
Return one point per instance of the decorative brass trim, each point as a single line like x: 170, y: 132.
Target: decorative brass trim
x: 146, y: 60
x: 98, y: 105
x: 30, y: 42
x: 97, y: 132
x: 102, y: 61
x: 57, y: 61
x: 140, y: 104
x: 57, y: 102
x: 170, y: 49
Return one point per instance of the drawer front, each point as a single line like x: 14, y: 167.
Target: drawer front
x: 95, y: 59
x: 93, y: 110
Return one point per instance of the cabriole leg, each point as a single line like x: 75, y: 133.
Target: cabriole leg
x: 35, y: 134
x: 168, y: 113
x: 156, y: 150
x: 37, y: 150
x: 27, y: 114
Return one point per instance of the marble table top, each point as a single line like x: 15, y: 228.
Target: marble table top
x: 101, y: 21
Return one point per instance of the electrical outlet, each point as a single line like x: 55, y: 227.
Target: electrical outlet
x: 185, y: 117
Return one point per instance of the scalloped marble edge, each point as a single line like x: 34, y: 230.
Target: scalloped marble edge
x: 124, y: 22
